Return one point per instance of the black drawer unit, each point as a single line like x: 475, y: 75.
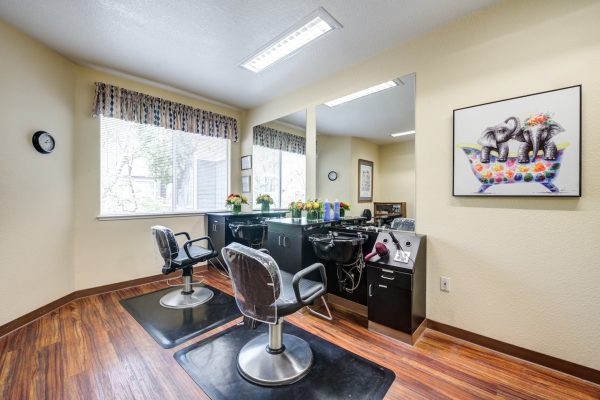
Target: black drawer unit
x: 390, y: 298
x: 397, y: 286
x: 218, y: 225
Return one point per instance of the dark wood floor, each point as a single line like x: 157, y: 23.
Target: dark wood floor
x: 93, y: 349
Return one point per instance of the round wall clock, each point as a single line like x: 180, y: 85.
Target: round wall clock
x: 43, y: 142
x: 332, y: 176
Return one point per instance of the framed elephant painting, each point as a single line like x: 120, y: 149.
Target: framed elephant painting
x: 524, y: 146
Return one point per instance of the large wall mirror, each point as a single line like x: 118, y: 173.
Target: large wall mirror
x: 366, y: 144
x: 279, y: 160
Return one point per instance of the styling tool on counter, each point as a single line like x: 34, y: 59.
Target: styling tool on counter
x: 401, y: 255
x: 381, y: 251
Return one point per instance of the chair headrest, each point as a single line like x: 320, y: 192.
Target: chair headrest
x: 166, y: 242
x: 256, y: 281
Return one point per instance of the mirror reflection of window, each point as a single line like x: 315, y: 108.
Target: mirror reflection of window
x: 279, y: 160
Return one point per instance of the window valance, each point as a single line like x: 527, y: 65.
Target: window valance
x: 115, y: 102
x: 279, y: 140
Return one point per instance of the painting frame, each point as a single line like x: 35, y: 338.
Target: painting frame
x: 246, y: 162
x: 246, y: 184
x: 366, y: 171
x: 575, y: 182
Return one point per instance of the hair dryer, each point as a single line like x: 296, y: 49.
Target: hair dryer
x: 381, y: 250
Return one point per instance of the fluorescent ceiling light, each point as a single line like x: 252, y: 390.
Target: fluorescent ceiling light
x: 402, y: 133
x: 361, y: 93
x: 309, y: 29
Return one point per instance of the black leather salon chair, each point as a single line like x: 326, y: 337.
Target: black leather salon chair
x: 264, y: 293
x: 367, y: 214
x: 183, y: 258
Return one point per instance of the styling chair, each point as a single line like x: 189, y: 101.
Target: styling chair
x: 403, y: 224
x: 367, y: 215
x: 251, y: 234
x: 183, y: 258
x: 264, y: 293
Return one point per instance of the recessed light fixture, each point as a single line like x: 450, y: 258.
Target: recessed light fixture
x: 362, y: 93
x: 402, y: 133
x: 309, y: 29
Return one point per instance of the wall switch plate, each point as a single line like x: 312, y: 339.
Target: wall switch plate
x: 444, y: 284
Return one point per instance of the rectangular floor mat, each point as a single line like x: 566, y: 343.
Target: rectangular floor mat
x: 336, y: 373
x: 171, y: 327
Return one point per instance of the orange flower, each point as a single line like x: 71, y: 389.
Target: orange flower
x: 478, y: 167
x: 510, y: 174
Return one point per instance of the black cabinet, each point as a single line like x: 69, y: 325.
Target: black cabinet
x: 218, y: 225
x: 390, y: 298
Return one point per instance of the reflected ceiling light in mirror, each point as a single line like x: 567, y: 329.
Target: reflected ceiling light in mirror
x: 306, y: 31
x: 362, y: 93
x: 398, y: 134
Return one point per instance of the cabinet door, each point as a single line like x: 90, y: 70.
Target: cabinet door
x: 216, y: 231
x: 388, y: 305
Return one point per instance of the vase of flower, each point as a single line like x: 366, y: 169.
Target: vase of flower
x: 235, y: 201
x: 313, y: 209
x: 265, y: 202
x: 296, y: 208
x: 344, y: 206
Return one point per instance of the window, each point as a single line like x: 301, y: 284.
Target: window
x: 280, y: 174
x: 151, y: 170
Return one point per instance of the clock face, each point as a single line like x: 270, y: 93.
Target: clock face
x: 43, y: 142
x: 332, y: 176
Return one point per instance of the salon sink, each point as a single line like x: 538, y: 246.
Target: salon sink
x: 341, y: 249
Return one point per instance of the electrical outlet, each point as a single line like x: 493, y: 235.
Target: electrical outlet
x: 444, y: 284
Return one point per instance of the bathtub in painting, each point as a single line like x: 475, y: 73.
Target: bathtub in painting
x: 512, y: 172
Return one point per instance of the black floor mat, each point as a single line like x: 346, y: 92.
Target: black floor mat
x: 171, y: 327
x: 336, y: 373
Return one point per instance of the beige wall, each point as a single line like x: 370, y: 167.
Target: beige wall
x: 36, y: 191
x: 333, y: 154
x: 118, y: 250
x: 524, y: 271
x: 397, y: 175
x: 51, y: 240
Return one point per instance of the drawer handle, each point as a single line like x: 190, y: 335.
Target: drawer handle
x: 371, y: 290
x: 383, y: 286
x: 279, y: 240
x: 285, y: 243
x: 387, y: 271
x: 388, y: 278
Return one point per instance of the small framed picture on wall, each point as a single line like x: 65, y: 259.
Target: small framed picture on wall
x: 246, y: 184
x: 365, y: 181
x: 246, y: 162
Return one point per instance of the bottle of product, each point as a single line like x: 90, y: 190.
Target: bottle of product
x: 336, y: 209
x: 327, y: 210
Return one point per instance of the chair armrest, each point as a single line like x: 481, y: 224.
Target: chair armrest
x: 188, y: 244
x: 264, y: 251
x: 187, y: 235
x: 301, y: 274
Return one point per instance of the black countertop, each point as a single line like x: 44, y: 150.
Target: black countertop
x: 246, y: 213
x: 304, y: 222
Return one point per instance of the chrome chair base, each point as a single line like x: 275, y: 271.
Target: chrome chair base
x: 177, y: 299
x: 271, y: 368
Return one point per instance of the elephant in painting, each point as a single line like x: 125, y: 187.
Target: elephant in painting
x: 497, y: 137
x: 536, y: 136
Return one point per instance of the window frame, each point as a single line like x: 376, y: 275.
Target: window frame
x: 172, y: 214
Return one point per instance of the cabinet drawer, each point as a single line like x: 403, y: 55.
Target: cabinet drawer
x: 389, y: 277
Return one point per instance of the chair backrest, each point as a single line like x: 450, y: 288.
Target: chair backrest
x: 367, y: 214
x: 166, y: 242
x: 256, y: 281
x: 403, y: 224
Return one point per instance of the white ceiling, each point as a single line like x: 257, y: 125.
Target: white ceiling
x: 373, y: 117
x: 197, y: 45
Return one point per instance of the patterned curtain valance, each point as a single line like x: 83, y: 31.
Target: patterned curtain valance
x: 274, y: 139
x: 115, y: 102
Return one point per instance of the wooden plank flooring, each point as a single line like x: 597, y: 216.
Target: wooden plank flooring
x: 92, y: 348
